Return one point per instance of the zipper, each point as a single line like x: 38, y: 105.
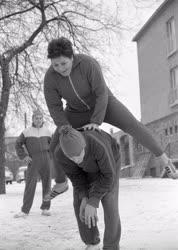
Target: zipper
x: 38, y: 131
x: 70, y: 80
x: 40, y: 145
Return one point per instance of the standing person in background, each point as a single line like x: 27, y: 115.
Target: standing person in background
x: 91, y: 160
x: 78, y: 79
x: 32, y: 146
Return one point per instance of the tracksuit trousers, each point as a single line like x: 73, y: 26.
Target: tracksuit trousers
x: 112, y: 231
x: 40, y: 167
x: 119, y: 116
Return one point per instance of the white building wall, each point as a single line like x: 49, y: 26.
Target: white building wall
x: 154, y: 66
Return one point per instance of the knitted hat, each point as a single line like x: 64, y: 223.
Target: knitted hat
x: 37, y: 112
x: 72, y: 141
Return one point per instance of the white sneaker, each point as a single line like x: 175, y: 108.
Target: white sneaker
x: 20, y: 215
x: 93, y: 247
x: 45, y: 212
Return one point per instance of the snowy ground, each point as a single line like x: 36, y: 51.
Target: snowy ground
x: 148, y: 209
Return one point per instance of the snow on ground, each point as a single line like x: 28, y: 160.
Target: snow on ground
x: 148, y: 209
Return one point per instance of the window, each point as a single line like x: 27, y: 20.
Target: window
x: 171, y: 35
x: 173, y: 94
x: 139, y: 147
x: 166, y: 132
x: 174, y: 77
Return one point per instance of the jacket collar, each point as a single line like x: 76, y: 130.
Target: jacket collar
x: 76, y: 60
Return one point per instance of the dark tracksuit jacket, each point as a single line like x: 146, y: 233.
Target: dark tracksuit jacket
x: 96, y: 178
x: 35, y: 143
x: 88, y: 100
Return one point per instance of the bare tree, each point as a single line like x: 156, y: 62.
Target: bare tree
x: 25, y: 28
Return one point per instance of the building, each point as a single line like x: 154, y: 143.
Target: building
x: 157, y: 48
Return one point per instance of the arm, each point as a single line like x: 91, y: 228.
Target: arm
x: 54, y: 141
x: 79, y: 182
x: 98, y: 85
x: 54, y: 101
x: 106, y: 163
x: 19, y: 146
x: 104, y: 157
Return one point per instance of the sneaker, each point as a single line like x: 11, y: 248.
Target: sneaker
x: 93, y: 247
x: 21, y: 215
x: 171, y: 170
x: 45, y: 212
x: 58, y: 188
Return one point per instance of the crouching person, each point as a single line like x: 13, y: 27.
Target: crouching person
x: 91, y: 161
x: 32, y: 146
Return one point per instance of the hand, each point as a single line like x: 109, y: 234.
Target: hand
x: 82, y: 209
x: 28, y: 159
x: 91, y: 126
x: 91, y: 217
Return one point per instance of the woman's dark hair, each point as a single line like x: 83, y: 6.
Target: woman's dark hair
x: 60, y: 47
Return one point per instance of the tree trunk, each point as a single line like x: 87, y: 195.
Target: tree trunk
x: 6, y: 85
x: 2, y: 157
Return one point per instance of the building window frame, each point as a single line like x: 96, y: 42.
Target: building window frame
x: 174, y: 77
x: 166, y: 132
x: 171, y: 36
x: 173, y: 95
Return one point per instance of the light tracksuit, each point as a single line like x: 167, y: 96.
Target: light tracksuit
x: 35, y: 142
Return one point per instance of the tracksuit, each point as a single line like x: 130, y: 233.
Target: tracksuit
x: 88, y: 100
x: 96, y: 178
x: 35, y: 143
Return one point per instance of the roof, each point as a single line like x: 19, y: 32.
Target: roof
x: 150, y: 20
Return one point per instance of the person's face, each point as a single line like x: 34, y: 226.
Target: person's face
x: 78, y: 159
x: 38, y: 120
x: 62, y: 64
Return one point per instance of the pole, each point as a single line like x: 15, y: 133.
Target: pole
x: 25, y: 119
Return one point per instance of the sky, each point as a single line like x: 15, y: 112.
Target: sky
x: 125, y: 84
x: 123, y: 76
